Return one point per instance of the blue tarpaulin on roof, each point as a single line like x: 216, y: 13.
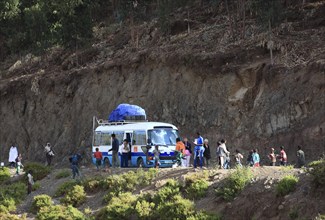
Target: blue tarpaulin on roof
x: 126, y: 112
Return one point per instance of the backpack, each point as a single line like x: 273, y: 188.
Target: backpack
x: 74, y: 159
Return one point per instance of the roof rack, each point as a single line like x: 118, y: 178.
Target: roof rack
x: 107, y: 123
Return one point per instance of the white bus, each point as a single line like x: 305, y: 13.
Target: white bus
x: 143, y: 137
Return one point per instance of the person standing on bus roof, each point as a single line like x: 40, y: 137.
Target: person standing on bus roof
x: 114, y: 149
x: 124, y: 151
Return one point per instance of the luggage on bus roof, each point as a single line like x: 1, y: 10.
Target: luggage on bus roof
x: 125, y: 112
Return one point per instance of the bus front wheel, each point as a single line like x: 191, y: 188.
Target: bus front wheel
x: 140, y: 162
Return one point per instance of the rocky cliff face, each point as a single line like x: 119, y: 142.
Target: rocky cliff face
x: 231, y: 93
x: 252, y: 106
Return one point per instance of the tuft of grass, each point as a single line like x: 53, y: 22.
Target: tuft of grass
x: 7, y: 205
x: 57, y: 212
x: 15, y: 191
x: 287, y: 168
x: 120, y: 207
x: 7, y: 215
x: 286, y: 185
x: 63, y: 174
x: 197, y: 189
x: 126, y: 182
x: 36, y: 186
x: 317, y: 170
x: 235, y: 183
x: 204, y: 216
x: 4, y: 174
x: 293, y: 214
x: 64, y: 188
x: 39, y: 171
x: 92, y: 185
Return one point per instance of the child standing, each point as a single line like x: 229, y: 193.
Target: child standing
x: 30, y: 182
x: 256, y: 158
x: 238, y: 157
x: 187, y: 158
x: 99, y: 157
x: 18, y: 164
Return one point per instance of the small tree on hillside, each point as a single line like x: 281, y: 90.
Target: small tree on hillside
x: 269, y: 13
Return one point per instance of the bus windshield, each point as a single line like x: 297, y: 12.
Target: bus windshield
x: 163, y: 136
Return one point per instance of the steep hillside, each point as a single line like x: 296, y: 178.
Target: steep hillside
x: 200, y: 81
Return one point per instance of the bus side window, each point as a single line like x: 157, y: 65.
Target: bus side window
x: 97, y: 139
x: 119, y: 135
x: 140, y: 137
x: 106, y: 139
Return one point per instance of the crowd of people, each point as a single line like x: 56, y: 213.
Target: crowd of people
x: 200, y: 155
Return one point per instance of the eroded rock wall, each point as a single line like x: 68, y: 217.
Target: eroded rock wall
x: 253, y: 105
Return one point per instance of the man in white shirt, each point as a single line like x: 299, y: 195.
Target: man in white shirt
x: 124, y: 151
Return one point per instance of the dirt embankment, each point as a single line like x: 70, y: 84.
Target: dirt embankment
x: 257, y: 201
x: 201, y: 81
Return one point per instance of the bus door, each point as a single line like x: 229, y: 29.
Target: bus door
x: 129, y: 137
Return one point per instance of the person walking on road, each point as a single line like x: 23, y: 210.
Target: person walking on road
x: 283, y: 157
x: 198, y: 151
x: 300, y: 157
x: 238, y: 158
x: 223, y: 152
x: 30, y: 182
x: 256, y: 158
x: 272, y: 157
x: 49, y: 154
x: 207, y: 152
x: 13, y: 154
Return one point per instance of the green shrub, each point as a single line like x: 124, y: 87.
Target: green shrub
x: 192, y: 177
x: 4, y: 174
x: 63, y: 174
x: 204, y: 216
x: 64, y: 188
x: 7, y: 205
x: 8, y: 216
x: 89, y: 214
x: 286, y: 185
x: 293, y: 214
x: 168, y: 191
x: 92, y: 185
x: 39, y: 171
x: 16, y: 191
x: 176, y: 208
x: 75, y: 197
x: 145, y: 209
x: 320, y: 217
x: 41, y: 201
x: 120, y: 207
x: 36, y: 186
x: 59, y: 212
x: 287, y: 168
x: 197, y: 189
x: 235, y: 183
x: 317, y: 170
x: 146, y: 177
